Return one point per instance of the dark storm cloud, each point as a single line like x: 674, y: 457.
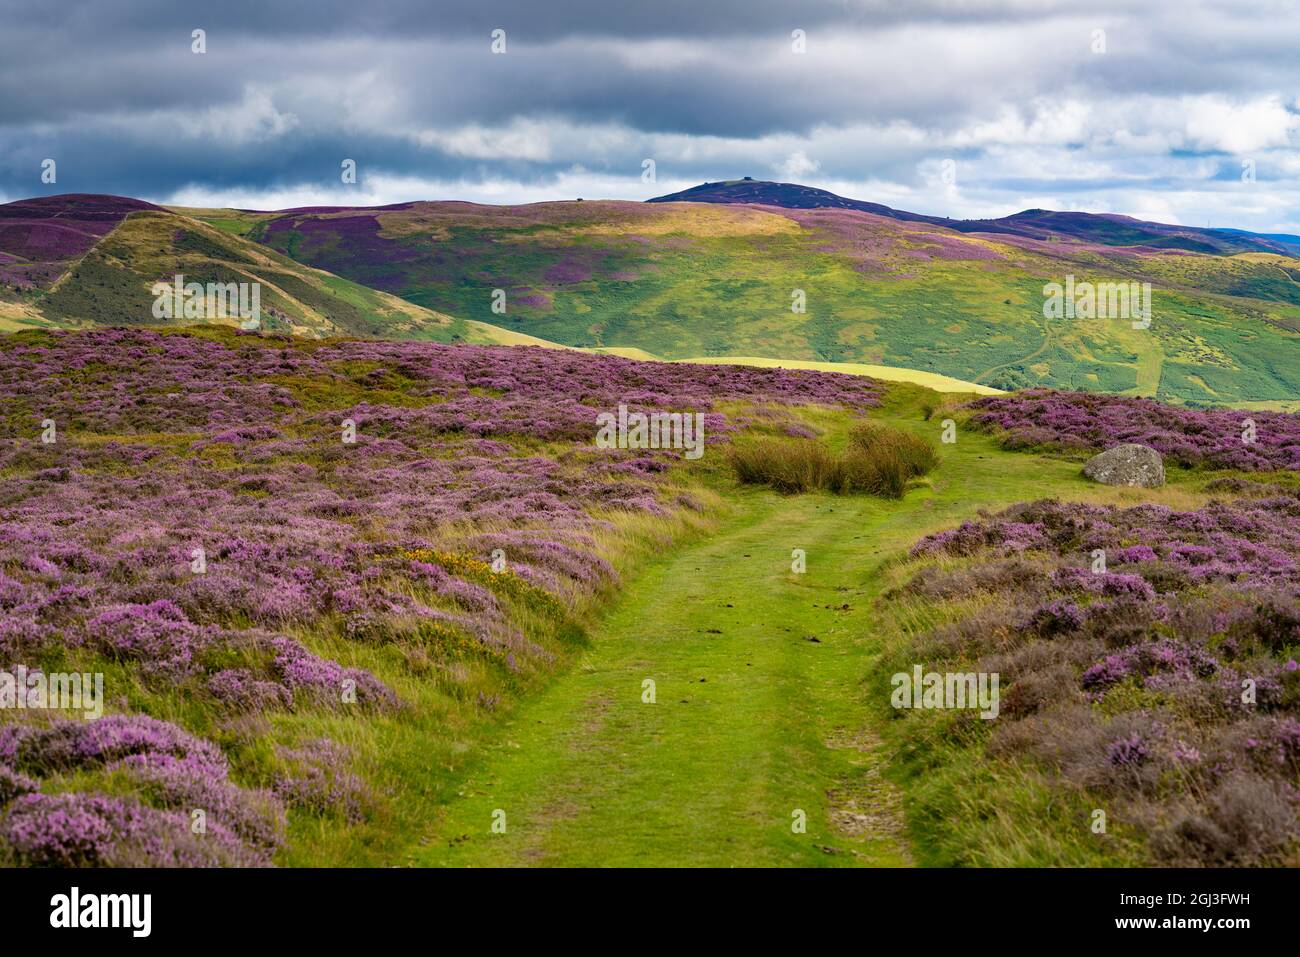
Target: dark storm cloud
x: 709, y: 88
x: 537, y: 19
x: 568, y: 57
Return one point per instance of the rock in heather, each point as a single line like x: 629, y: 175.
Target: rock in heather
x: 1128, y: 464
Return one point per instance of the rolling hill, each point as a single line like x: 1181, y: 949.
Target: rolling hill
x: 715, y: 272
x: 709, y: 274
x: 1106, y: 229
x: 80, y: 260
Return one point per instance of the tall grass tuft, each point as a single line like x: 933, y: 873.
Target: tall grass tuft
x: 886, y: 459
x: 788, y: 465
x: 877, y: 460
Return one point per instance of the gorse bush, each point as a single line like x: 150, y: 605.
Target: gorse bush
x: 876, y: 460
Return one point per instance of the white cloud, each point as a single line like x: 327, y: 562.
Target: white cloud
x: 798, y: 166
x: 1218, y: 123
x: 383, y: 189
x: 522, y: 140
x: 254, y: 119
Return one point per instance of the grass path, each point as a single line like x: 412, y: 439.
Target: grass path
x: 753, y: 718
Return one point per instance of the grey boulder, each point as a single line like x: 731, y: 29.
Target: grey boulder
x: 1128, y: 464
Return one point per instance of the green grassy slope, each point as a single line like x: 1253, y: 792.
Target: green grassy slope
x: 683, y: 280
x: 111, y: 284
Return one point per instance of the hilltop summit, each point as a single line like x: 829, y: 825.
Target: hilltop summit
x: 1102, y: 228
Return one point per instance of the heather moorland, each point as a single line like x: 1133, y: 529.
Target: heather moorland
x: 359, y: 602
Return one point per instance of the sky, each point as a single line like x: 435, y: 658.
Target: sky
x: 1180, y: 111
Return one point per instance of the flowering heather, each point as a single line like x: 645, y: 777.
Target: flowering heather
x: 199, y: 522
x: 73, y: 744
x: 1147, y: 655
x: 40, y: 237
x: 176, y: 770
x: 319, y: 778
x: 157, y: 634
x: 87, y: 830
x: 1127, y: 751
x: 14, y: 785
x: 298, y: 668
x: 1190, y: 437
x: 1147, y: 546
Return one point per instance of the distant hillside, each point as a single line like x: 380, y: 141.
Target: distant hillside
x: 1043, y: 224
x: 703, y: 279
x: 695, y: 280
x: 1289, y: 242
x: 786, y: 195
x: 88, y: 260
x: 40, y: 237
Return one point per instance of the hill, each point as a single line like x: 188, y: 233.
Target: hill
x: 706, y: 277
x: 81, y: 260
x: 1103, y: 228
x: 40, y: 238
x: 686, y: 279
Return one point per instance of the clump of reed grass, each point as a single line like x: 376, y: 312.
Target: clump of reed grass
x: 876, y: 460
